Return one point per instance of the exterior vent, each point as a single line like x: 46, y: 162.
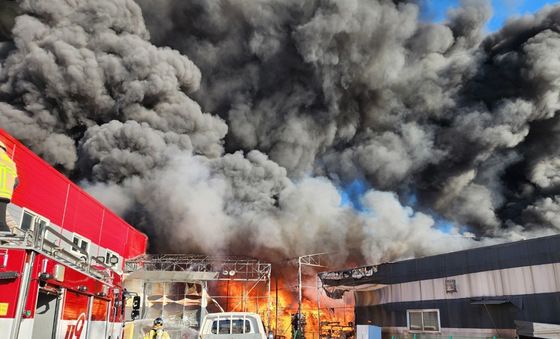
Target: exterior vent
x: 450, y: 286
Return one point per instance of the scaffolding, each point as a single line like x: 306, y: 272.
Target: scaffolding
x: 250, y: 273
x: 227, y: 268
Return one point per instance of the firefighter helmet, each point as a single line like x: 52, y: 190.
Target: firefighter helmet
x: 158, y: 321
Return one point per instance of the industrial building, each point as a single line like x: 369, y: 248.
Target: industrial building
x: 505, y: 290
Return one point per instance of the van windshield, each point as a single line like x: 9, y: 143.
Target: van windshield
x: 231, y: 326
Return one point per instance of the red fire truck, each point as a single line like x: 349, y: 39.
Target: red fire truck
x: 61, y: 274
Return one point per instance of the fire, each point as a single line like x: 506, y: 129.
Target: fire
x: 334, y: 316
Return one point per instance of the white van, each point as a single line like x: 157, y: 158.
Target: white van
x: 232, y: 325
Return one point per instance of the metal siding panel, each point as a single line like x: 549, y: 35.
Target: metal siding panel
x: 439, y: 289
x: 427, y: 288
x: 88, y: 217
x: 40, y: 188
x: 361, y: 298
x: 136, y: 245
x: 514, y: 282
x: 511, y: 281
x: 394, y: 292
x: 556, y: 268
x: 113, y: 235
x: 401, y: 271
x: 453, y: 264
x: 487, y: 283
x: 381, y: 295
x: 410, y: 290
x: 538, y: 251
x: 542, y: 308
x: 71, y: 211
x: 543, y: 278
x: 528, y: 280
x: 496, y: 278
x: 482, y: 282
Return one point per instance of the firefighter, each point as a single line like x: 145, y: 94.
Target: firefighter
x: 157, y: 331
x: 8, y: 181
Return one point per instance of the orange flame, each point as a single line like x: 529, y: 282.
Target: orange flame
x: 334, y: 316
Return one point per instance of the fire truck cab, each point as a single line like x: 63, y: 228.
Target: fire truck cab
x: 61, y: 271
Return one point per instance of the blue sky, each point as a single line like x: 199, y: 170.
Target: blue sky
x: 435, y: 10
x: 351, y: 194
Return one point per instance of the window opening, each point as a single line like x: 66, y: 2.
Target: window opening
x: 423, y: 320
x: 231, y: 326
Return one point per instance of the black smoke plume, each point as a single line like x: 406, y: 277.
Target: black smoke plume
x: 230, y: 126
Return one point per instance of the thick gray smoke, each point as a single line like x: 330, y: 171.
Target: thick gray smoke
x: 231, y: 126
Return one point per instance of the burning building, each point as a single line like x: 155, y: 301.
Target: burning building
x: 240, y: 127
x: 182, y: 289
x: 502, y: 290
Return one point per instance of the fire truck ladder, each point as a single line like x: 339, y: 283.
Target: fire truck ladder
x: 209, y: 268
x: 48, y: 241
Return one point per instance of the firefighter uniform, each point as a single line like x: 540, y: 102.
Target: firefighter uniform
x: 157, y: 331
x: 8, y: 181
x: 157, y: 334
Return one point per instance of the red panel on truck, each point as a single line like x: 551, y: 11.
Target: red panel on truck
x: 9, y: 288
x: 47, y: 192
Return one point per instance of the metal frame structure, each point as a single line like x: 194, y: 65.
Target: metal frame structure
x: 311, y: 260
x: 235, y: 268
x: 227, y: 268
x: 36, y: 239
